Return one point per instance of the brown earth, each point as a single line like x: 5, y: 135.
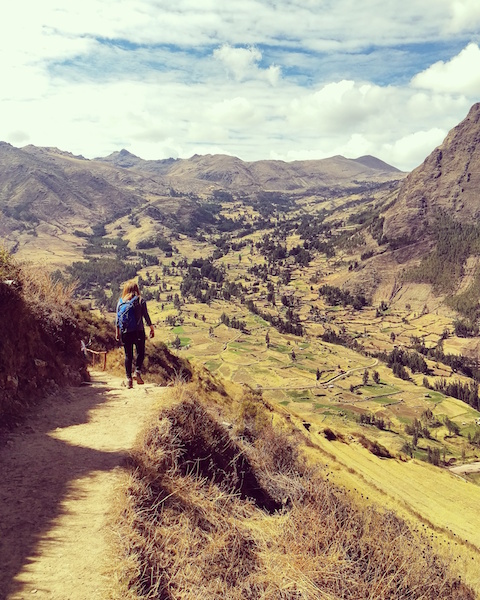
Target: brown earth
x: 60, y: 470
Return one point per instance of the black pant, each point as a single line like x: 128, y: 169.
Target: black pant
x: 129, y: 340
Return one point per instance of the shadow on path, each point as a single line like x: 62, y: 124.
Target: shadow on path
x: 37, y: 471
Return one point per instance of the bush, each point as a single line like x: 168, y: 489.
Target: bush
x: 373, y: 446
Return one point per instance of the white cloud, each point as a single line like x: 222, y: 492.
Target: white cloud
x: 248, y: 77
x: 337, y: 107
x: 242, y: 64
x: 460, y: 75
x: 413, y: 148
x: 233, y: 112
x: 465, y: 15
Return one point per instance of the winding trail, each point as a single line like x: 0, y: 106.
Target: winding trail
x: 59, y: 472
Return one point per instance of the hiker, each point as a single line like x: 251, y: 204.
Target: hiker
x: 131, y: 311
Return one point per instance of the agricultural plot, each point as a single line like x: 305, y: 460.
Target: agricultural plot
x: 290, y: 368
x: 237, y: 338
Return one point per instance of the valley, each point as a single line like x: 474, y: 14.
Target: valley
x: 304, y: 284
x: 290, y: 291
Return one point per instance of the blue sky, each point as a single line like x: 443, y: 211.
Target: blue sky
x: 270, y: 79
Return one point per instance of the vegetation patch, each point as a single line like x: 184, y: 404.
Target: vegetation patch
x: 383, y: 400
x: 373, y: 446
x: 164, y: 366
x: 41, y: 337
x: 443, y: 267
x: 218, y: 512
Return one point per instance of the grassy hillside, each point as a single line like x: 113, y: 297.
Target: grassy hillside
x: 272, y: 473
x: 299, y: 299
x: 41, y: 335
x: 226, y: 498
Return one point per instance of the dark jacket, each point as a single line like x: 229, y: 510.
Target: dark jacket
x: 143, y: 314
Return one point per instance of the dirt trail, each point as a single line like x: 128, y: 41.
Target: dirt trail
x: 466, y: 468
x: 59, y: 472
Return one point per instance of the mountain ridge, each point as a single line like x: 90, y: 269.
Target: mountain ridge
x: 447, y: 180
x: 230, y: 170
x: 49, y: 192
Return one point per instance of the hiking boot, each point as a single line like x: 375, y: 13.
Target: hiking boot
x: 138, y: 377
x: 129, y: 383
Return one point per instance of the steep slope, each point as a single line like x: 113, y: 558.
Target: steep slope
x: 213, y: 510
x: 48, y: 196
x: 41, y: 337
x: 448, y: 179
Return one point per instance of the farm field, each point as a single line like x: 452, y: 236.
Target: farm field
x: 321, y: 382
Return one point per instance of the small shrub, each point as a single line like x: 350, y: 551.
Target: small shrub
x: 330, y: 435
x: 373, y: 446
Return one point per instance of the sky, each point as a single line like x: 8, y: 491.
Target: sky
x: 258, y: 79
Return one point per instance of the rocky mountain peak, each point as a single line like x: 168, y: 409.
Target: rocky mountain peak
x: 448, y: 180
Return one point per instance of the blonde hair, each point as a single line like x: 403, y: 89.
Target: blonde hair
x: 130, y: 289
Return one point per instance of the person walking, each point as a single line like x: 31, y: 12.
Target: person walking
x: 130, y: 330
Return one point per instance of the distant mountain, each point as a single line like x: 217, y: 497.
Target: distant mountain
x: 228, y: 172
x: 127, y: 160
x: 448, y: 179
x: 53, y: 193
x: 46, y: 185
x: 51, y: 198
x: 376, y: 163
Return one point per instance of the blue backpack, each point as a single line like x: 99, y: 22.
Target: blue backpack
x: 127, y: 314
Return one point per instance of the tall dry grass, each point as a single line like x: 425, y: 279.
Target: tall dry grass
x: 221, y: 505
x: 40, y: 336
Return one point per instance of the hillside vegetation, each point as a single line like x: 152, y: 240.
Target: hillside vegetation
x: 48, y: 336
x: 226, y: 497
x: 222, y: 502
x: 41, y: 336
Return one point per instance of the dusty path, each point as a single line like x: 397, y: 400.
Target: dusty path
x: 59, y: 472
x: 466, y: 468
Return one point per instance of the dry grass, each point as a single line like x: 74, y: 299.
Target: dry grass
x: 41, y: 336
x: 222, y: 509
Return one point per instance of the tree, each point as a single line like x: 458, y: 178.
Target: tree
x: 415, y: 439
x: 317, y: 375
x: 177, y: 343
x: 453, y: 428
x: 408, y: 449
x: 267, y: 340
x: 433, y: 456
x: 365, y: 377
x: 293, y: 355
x: 376, y: 377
